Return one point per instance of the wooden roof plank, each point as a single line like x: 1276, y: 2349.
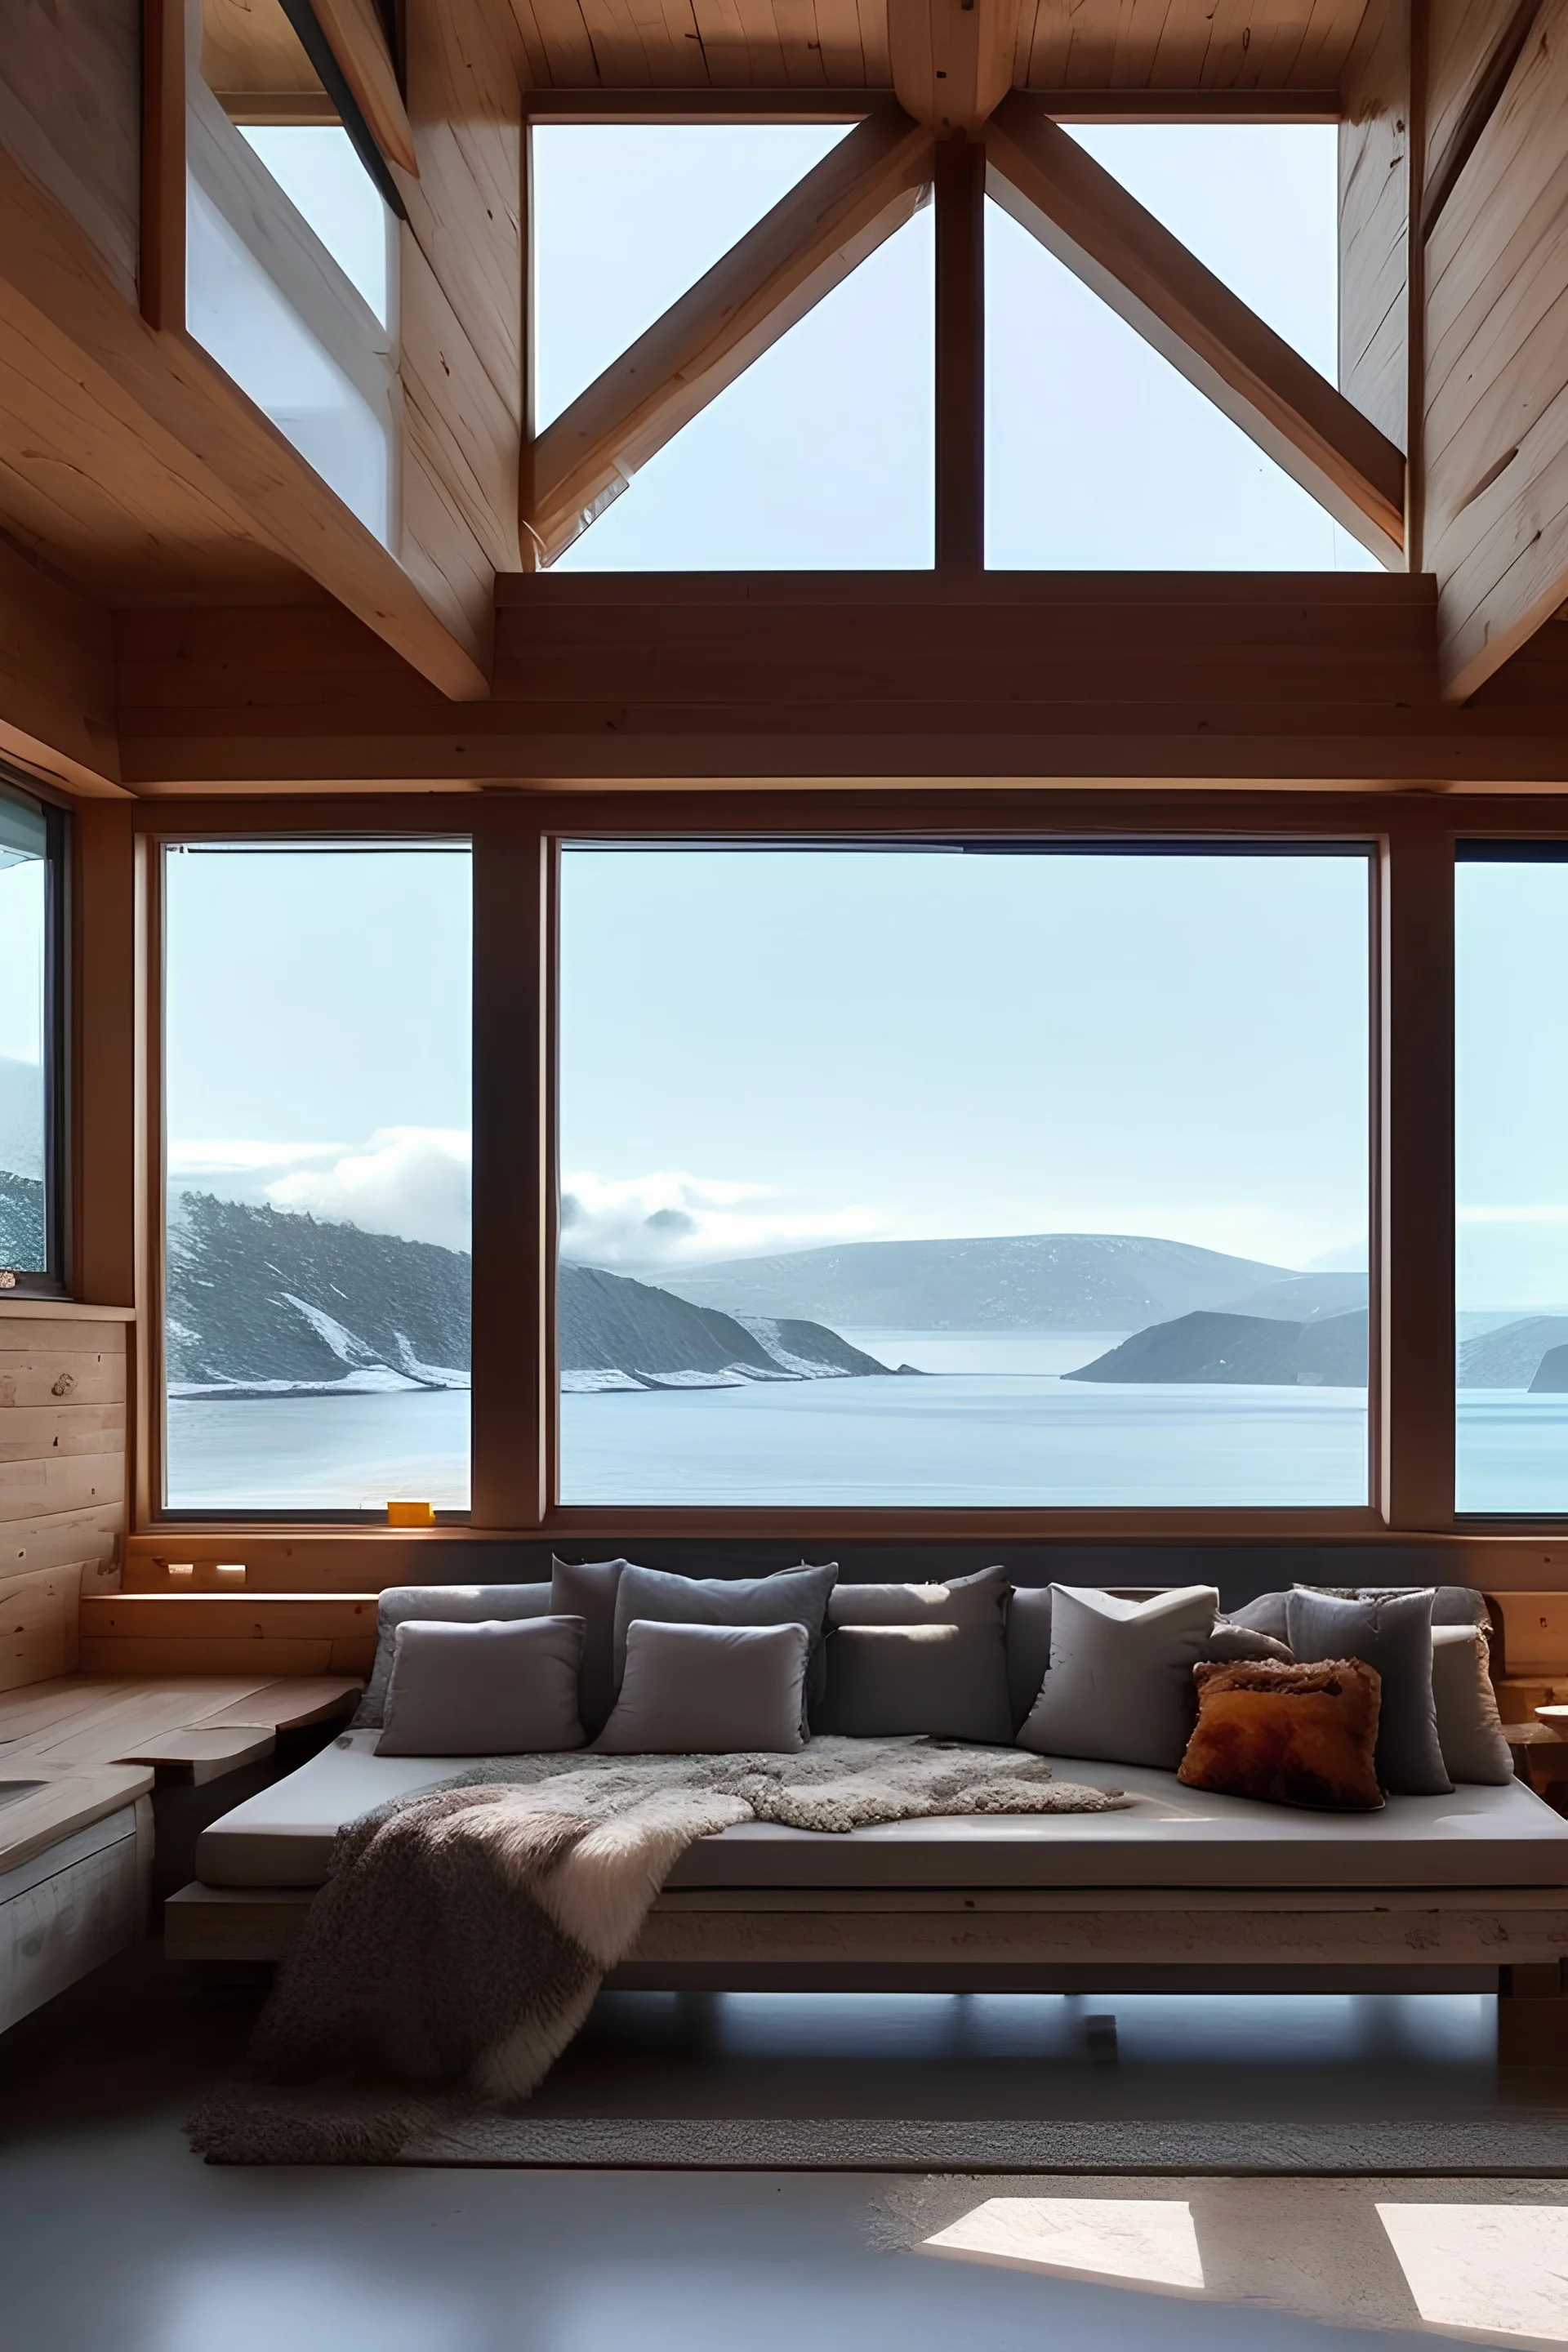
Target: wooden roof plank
x: 568, y: 44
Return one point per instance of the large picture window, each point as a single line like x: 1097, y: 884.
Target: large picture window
x: 32, y: 1158
x: 950, y: 1176
x: 316, y: 1096
x: 1511, y: 1072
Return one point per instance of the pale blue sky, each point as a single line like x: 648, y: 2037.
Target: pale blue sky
x: 801, y: 1046
x: 1512, y: 975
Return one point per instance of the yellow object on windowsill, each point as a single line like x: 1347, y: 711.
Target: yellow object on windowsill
x: 411, y: 1515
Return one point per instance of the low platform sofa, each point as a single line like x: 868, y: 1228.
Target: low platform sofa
x: 1179, y: 1890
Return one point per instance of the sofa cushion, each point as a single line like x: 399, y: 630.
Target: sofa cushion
x: 948, y: 1681
x: 454, y: 1604
x: 1120, y: 1682
x: 707, y: 1690
x: 1028, y: 1643
x: 792, y: 1596
x: 1234, y: 1645
x: 1170, y: 1836
x: 1392, y: 1632
x: 587, y: 1589
x: 918, y: 1657
x: 979, y: 1600
x: 1452, y: 1604
x: 1288, y: 1734
x: 497, y: 1688
x: 1469, y: 1729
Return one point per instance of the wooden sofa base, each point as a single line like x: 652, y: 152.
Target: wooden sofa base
x: 1153, y: 1940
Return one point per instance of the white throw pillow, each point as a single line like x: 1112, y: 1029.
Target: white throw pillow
x: 1120, y: 1684
x: 709, y: 1690
x: 1469, y: 1729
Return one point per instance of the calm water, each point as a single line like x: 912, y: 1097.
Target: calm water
x: 1009, y: 1440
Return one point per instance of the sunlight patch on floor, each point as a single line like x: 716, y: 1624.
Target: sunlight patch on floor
x: 1142, y: 2241
x: 1502, y: 2269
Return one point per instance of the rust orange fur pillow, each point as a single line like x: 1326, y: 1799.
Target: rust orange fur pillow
x: 1289, y: 1734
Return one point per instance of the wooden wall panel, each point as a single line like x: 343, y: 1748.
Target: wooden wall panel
x: 57, y: 677
x: 71, y: 113
x: 1373, y: 201
x: 1464, y: 34
x: 1496, y: 372
x: 62, y: 1480
x: 1033, y: 678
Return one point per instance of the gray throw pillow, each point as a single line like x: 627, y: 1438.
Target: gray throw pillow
x: 948, y: 1681
x: 1452, y: 1604
x: 1392, y: 1632
x: 1231, y: 1644
x: 454, y: 1604
x: 1029, y: 1643
x: 1119, y: 1685
x: 587, y: 1589
x: 709, y: 1690
x: 1267, y: 1614
x: 491, y: 1689
x: 978, y: 1600
x: 794, y: 1596
x: 1469, y: 1728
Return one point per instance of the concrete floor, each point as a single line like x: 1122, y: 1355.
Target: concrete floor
x: 114, y: 2239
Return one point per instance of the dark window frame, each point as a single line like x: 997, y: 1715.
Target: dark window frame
x: 53, y: 1280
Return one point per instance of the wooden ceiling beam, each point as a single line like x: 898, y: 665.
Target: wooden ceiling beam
x: 351, y: 30
x: 817, y: 103
x: 1087, y: 220
x: 842, y: 210
x: 172, y: 412
x: 953, y: 60
x: 802, y: 102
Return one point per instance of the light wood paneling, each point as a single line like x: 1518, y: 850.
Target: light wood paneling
x: 153, y: 1655
x: 1255, y: 678
x: 1055, y: 44
x: 62, y: 1481
x: 57, y: 677
x: 70, y: 92
x: 340, y: 1619
x: 38, y: 1628
x: 249, y: 49
x: 1497, y: 373
x: 54, y: 1539
x: 1373, y: 211
x: 1475, y: 49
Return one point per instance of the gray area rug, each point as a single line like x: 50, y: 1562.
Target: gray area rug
x: 1539, y: 2147
x: 278, y: 2127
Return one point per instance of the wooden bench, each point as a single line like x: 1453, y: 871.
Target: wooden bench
x: 79, y: 1757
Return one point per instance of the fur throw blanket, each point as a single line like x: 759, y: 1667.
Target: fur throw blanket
x: 463, y: 1933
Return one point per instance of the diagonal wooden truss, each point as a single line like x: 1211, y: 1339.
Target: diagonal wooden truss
x: 960, y: 129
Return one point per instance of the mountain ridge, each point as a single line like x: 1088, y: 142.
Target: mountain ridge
x: 1251, y: 1350
x: 1022, y: 1282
